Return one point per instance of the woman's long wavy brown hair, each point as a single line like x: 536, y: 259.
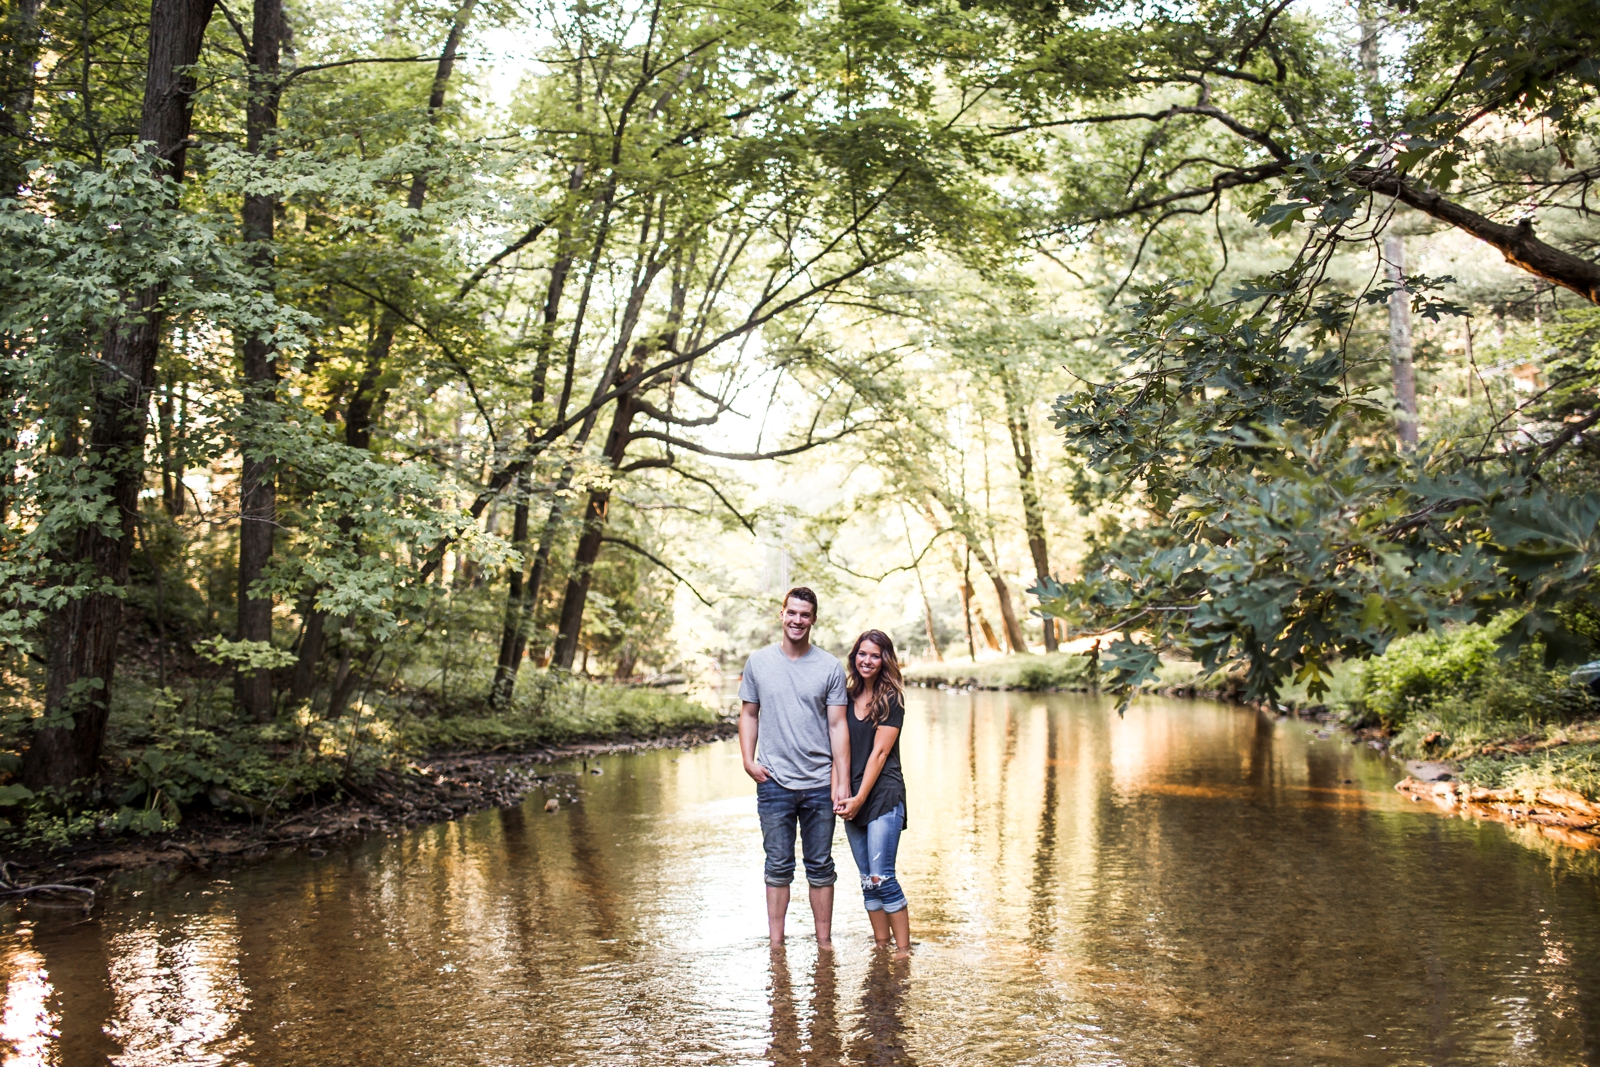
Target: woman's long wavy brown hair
x: 887, y: 689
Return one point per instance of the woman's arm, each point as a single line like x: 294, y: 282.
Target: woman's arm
x: 882, y: 741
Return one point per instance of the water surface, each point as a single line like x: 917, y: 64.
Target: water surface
x: 1193, y: 884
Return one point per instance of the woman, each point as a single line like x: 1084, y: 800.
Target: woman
x: 876, y: 814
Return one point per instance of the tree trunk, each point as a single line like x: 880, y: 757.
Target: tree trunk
x: 258, y: 490
x: 1008, y: 614
x: 505, y: 674
x: 520, y: 596
x: 970, y: 595
x: 576, y: 596
x: 82, y: 635
x: 169, y: 430
x: 1032, y: 513
x: 595, y: 516
x: 1405, y: 375
x: 19, y: 61
x: 595, y: 511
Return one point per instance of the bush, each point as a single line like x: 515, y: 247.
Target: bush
x: 1451, y: 694
x: 1417, y: 670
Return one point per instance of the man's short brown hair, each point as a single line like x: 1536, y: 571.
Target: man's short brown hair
x: 800, y: 592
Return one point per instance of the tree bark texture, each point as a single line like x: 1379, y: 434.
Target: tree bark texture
x: 258, y: 488
x: 82, y: 635
x: 1405, y: 373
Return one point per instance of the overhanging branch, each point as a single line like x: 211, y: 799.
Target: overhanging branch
x: 608, y: 540
x: 1517, y: 243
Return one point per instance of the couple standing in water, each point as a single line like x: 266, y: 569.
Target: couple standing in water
x: 822, y: 743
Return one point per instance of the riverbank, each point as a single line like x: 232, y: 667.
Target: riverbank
x: 193, y: 785
x: 1055, y: 672
x: 1509, y: 742
x: 444, y: 786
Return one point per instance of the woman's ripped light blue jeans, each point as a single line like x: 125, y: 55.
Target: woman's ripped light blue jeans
x: 874, y: 846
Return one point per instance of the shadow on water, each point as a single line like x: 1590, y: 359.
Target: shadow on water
x: 1193, y: 883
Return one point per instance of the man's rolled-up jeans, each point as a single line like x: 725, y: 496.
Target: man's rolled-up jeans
x: 782, y: 811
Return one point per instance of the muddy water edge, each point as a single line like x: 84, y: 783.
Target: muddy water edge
x: 1193, y: 883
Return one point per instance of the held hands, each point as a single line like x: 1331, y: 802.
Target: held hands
x: 847, y: 808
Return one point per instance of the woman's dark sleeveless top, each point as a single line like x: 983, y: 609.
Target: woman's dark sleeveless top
x: 890, y: 788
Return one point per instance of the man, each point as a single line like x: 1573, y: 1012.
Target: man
x: 793, y: 700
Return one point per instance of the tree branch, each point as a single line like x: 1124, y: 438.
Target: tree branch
x: 746, y: 523
x: 608, y: 540
x: 1517, y: 243
x: 516, y: 246
x: 745, y: 457
x: 293, y: 74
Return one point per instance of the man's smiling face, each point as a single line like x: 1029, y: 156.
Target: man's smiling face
x: 798, y: 615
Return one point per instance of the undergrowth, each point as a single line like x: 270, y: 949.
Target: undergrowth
x: 168, y: 757
x: 1454, y: 694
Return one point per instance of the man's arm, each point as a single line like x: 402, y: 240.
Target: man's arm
x: 839, y: 740
x: 749, y: 728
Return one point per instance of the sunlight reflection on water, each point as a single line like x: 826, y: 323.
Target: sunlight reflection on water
x: 1190, y: 884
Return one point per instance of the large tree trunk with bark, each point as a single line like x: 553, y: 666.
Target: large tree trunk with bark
x: 82, y: 635
x: 258, y: 489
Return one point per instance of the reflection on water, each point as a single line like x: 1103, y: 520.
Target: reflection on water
x: 1190, y: 884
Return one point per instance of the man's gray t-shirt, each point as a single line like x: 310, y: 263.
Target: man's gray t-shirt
x: 794, y: 696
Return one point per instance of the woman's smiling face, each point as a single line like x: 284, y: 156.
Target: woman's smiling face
x: 869, y: 660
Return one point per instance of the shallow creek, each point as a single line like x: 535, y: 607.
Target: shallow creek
x: 1192, y: 884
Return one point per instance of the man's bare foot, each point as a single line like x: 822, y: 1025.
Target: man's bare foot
x: 901, y: 954
x: 825, y: 946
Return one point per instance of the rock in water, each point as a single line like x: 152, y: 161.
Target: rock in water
x: 552, y: 804
x: 1431, y: 771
